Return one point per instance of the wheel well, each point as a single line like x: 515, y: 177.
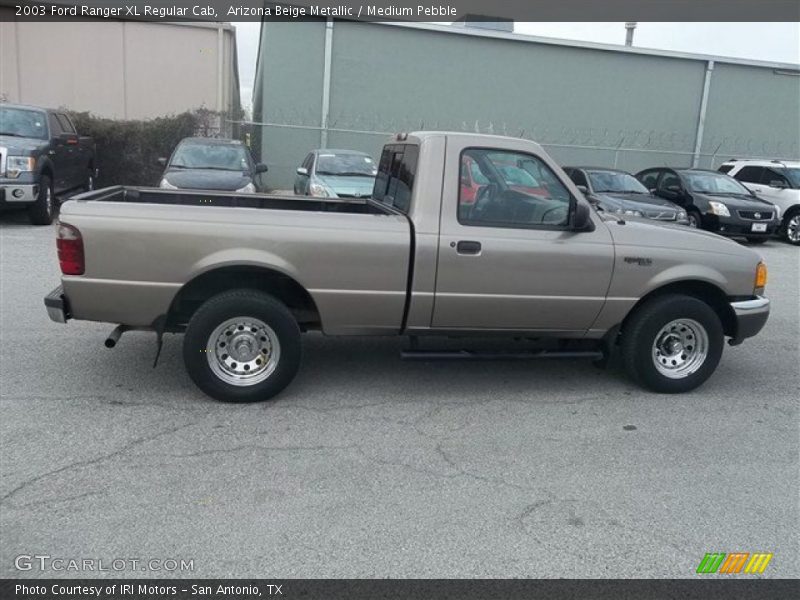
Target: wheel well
x: 702, y: 290
x: 47, y: 170
x: 276, y: 284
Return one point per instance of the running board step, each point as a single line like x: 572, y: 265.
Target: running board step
x: 490, y: 355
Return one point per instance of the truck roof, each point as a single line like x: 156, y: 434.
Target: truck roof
x: 464, y: 137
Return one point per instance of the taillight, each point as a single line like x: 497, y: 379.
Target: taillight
x: 70, y: 249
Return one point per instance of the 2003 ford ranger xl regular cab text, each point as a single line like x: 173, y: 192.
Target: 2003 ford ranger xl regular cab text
x: 244, y: 275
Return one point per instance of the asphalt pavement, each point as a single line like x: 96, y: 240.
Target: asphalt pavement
x: 367, y: 466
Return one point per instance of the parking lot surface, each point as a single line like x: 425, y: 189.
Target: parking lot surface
x: 367, y: 466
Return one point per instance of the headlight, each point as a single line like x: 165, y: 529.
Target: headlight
x: 316, y: 189
x: 719, y: 209
x: 248, y: 189
x: 19, y: 164
x: 681, y: 216
x: 628, y: 212
x: 167, y: 185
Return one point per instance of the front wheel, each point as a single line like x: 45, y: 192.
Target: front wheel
x: 791, y: 228
x: 672, y: 343
x: 242, y: 346
x: 42, y: 211
x: 695, y: 220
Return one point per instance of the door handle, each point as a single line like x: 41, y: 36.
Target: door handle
x: 468, y: 247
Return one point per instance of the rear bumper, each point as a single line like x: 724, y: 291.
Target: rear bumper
x: 57, y: 306
x: 751, y: 315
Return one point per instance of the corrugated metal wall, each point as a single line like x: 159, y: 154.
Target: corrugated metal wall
x: 587, y: 106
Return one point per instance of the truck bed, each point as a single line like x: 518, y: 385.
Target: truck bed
x: 147, y: 195
x: 142, y: 245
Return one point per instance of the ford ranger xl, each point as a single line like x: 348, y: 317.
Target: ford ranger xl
x: 242, y: 276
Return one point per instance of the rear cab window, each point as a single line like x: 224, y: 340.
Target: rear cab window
x: 394, y: 182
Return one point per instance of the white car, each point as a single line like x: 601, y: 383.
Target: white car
x: 777, y: 182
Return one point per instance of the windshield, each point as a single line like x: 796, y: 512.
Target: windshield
x: 21, y: 122
x: 707, y: 182
x: 346, y: 164
x: 227, y: 157
x: 614, y: 181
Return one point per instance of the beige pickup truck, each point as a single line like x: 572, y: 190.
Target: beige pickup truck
x: 466, y: 236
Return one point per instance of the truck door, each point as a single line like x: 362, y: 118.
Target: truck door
x: 508, y: 260
x: 61, y: 154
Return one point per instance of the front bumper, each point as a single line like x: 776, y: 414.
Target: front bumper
x: 18, y: 193
x: 57, y: 305
x: 736, y: 226
x: 751, y: 315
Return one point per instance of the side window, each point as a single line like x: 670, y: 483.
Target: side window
x: 750, y: 174
x: 395, y: 179
x: 577, y: 176
x: 771, y: 175
x: 649, y: 179
x: 669, y: 181
x: 515, y: 190
x: 55, y: 125
x: 725, y: 168
x: 66, y: 124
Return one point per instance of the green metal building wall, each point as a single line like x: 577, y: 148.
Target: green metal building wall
x: 587, y: 105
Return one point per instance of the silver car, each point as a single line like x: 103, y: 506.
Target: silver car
x: 336, y: 174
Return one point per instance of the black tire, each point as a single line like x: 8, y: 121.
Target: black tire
x: 229, y: 306
x: 646, y: 326
x: 695, y: 220
x: 756, y: 240
x: 791, y: 227
x: 43, y: 210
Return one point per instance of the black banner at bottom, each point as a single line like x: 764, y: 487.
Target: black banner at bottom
x: 390, y: 589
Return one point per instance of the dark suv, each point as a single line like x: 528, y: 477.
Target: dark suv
x: 714, y: 201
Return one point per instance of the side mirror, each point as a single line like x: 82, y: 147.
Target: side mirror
x: 581, y: 218
x: 261, y: 168
x: 162, y: 161
x: 302, y: 171
x: 777, y: 183
x: 584, y: 190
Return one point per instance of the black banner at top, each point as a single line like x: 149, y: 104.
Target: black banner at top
x: 405, y: 10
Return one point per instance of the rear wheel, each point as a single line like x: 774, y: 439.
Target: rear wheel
x: 89, y: 185
x: 791, y: 227
x: 672, y: 343
x: 42, y: 211
x: 242, y: 346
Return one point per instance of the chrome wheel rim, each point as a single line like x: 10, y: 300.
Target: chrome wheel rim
x: 90, y: 183
x: 48, y: 200
x: 680, y: 348
x: 243, y: 351
x: 793, y: 229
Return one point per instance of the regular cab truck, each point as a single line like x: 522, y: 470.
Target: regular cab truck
x: 242, y: 276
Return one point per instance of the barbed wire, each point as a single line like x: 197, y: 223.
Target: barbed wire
x: 546, y: 134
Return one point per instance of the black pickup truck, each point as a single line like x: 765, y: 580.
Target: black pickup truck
x: 41, y: 156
